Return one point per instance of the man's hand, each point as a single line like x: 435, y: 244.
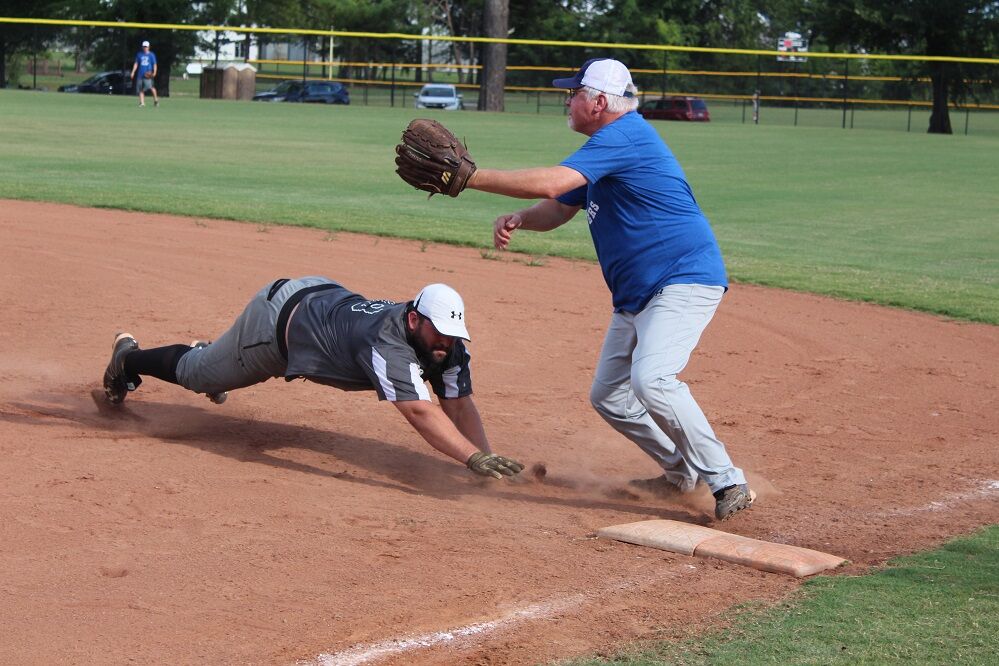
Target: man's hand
x: 490, y: 464
x: 503, y: 229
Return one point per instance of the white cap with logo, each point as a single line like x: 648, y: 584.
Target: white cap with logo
x: 145, y: 43
x: 444, y: 308
x: 604, y: 74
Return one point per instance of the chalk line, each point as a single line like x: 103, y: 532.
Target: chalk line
x: 369, y: 652
x: 982, y: 490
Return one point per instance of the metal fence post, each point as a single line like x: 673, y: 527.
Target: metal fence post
x: 665, y: 65
x: 908, y: 126
x: 392, y: 89
x: 846, y: 88
x: 124, y: 52
x: 34, y: 57
x: 759, y: 74
x: 795, y: 92
x: 967, y: 115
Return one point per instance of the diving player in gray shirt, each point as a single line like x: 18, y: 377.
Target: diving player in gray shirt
x: 314, y: 328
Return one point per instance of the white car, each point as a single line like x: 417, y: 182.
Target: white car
x: 439, y: 96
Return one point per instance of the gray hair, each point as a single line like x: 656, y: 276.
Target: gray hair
x: 615, y: 103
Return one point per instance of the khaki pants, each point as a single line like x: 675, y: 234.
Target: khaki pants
x: 636, y: 389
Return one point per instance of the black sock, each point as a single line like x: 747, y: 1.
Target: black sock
x: 160, y: 362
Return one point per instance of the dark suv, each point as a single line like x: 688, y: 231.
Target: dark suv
x: 319, y: 92
x: 675, y: 108
x: 105, y: 83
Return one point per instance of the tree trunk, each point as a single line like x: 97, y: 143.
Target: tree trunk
x: 162, y: 80
x: 940, y: 117
x: 496, y: 20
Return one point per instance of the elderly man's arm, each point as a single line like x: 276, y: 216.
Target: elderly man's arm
x: 536, y: 183
x: 542, y: 216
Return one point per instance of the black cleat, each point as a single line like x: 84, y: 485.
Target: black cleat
x: 733, y: 499
x: 116, y: 383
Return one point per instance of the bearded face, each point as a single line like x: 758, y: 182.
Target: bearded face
x: 432, y: 348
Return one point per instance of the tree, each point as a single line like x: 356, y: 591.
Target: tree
x: 358, y: 16
x: 708, y: 23
x: 17, y: 38
x: 457, y: 19
x: 926, y: 27
x: 496, y: 19
x: 115, y: 48
x: 347, y: 15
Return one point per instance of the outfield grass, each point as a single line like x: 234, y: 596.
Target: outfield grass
x: 939, y: 607
x: 893, y: 218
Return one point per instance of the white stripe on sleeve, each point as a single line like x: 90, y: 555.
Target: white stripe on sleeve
x: 450, y: 378
x: 378, y: 363
x: 421, y: 388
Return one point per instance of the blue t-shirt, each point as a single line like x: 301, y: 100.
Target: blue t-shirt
x: 646, y: 225
x: 146, y: 61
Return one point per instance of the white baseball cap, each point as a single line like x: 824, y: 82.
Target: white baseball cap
x: 145, y: 43
x: 604, y: 74
x: 444, y: 308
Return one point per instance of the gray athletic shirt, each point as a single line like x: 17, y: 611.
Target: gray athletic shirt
x: 342, y: 339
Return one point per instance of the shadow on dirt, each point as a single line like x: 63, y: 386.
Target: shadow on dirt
x: 385, y: 465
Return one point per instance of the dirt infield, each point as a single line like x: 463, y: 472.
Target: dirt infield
x: 298, y: 523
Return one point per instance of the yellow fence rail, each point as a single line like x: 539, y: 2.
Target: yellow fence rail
x: 636, y: 70
x: 720, y: 96
x: 484, y: 40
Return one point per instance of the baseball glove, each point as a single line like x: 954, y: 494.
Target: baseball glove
x: 148, y: 74
x: 490, y: 464
x: 430, y: 158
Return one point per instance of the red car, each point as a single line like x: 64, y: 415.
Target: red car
x: 675, y: 108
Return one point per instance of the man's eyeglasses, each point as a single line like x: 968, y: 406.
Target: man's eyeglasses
x: 572, y: 93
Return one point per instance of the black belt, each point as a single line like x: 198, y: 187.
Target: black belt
x: 289, y: 305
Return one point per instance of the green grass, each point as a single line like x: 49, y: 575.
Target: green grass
x: 938, y: 607
x: 882, y: 216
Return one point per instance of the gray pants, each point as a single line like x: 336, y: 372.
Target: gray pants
x: 636, y: 388
x: 248, y: 352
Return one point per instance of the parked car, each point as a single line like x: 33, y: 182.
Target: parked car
x: 675, y: 108
x: 105, y: 83
x: 318, y: 92
x: 439, y: 96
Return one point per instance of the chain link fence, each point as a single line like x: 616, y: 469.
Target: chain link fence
x: 849, y: 91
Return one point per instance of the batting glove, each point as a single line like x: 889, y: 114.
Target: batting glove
x: 490, y: 464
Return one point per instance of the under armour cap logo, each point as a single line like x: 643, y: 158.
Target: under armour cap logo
x: 455, y: 315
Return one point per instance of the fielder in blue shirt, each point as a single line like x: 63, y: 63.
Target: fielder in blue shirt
x: 144, y: 71
x: 661, y: 262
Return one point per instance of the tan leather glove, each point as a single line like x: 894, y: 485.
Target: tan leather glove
x: 490, y: 464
